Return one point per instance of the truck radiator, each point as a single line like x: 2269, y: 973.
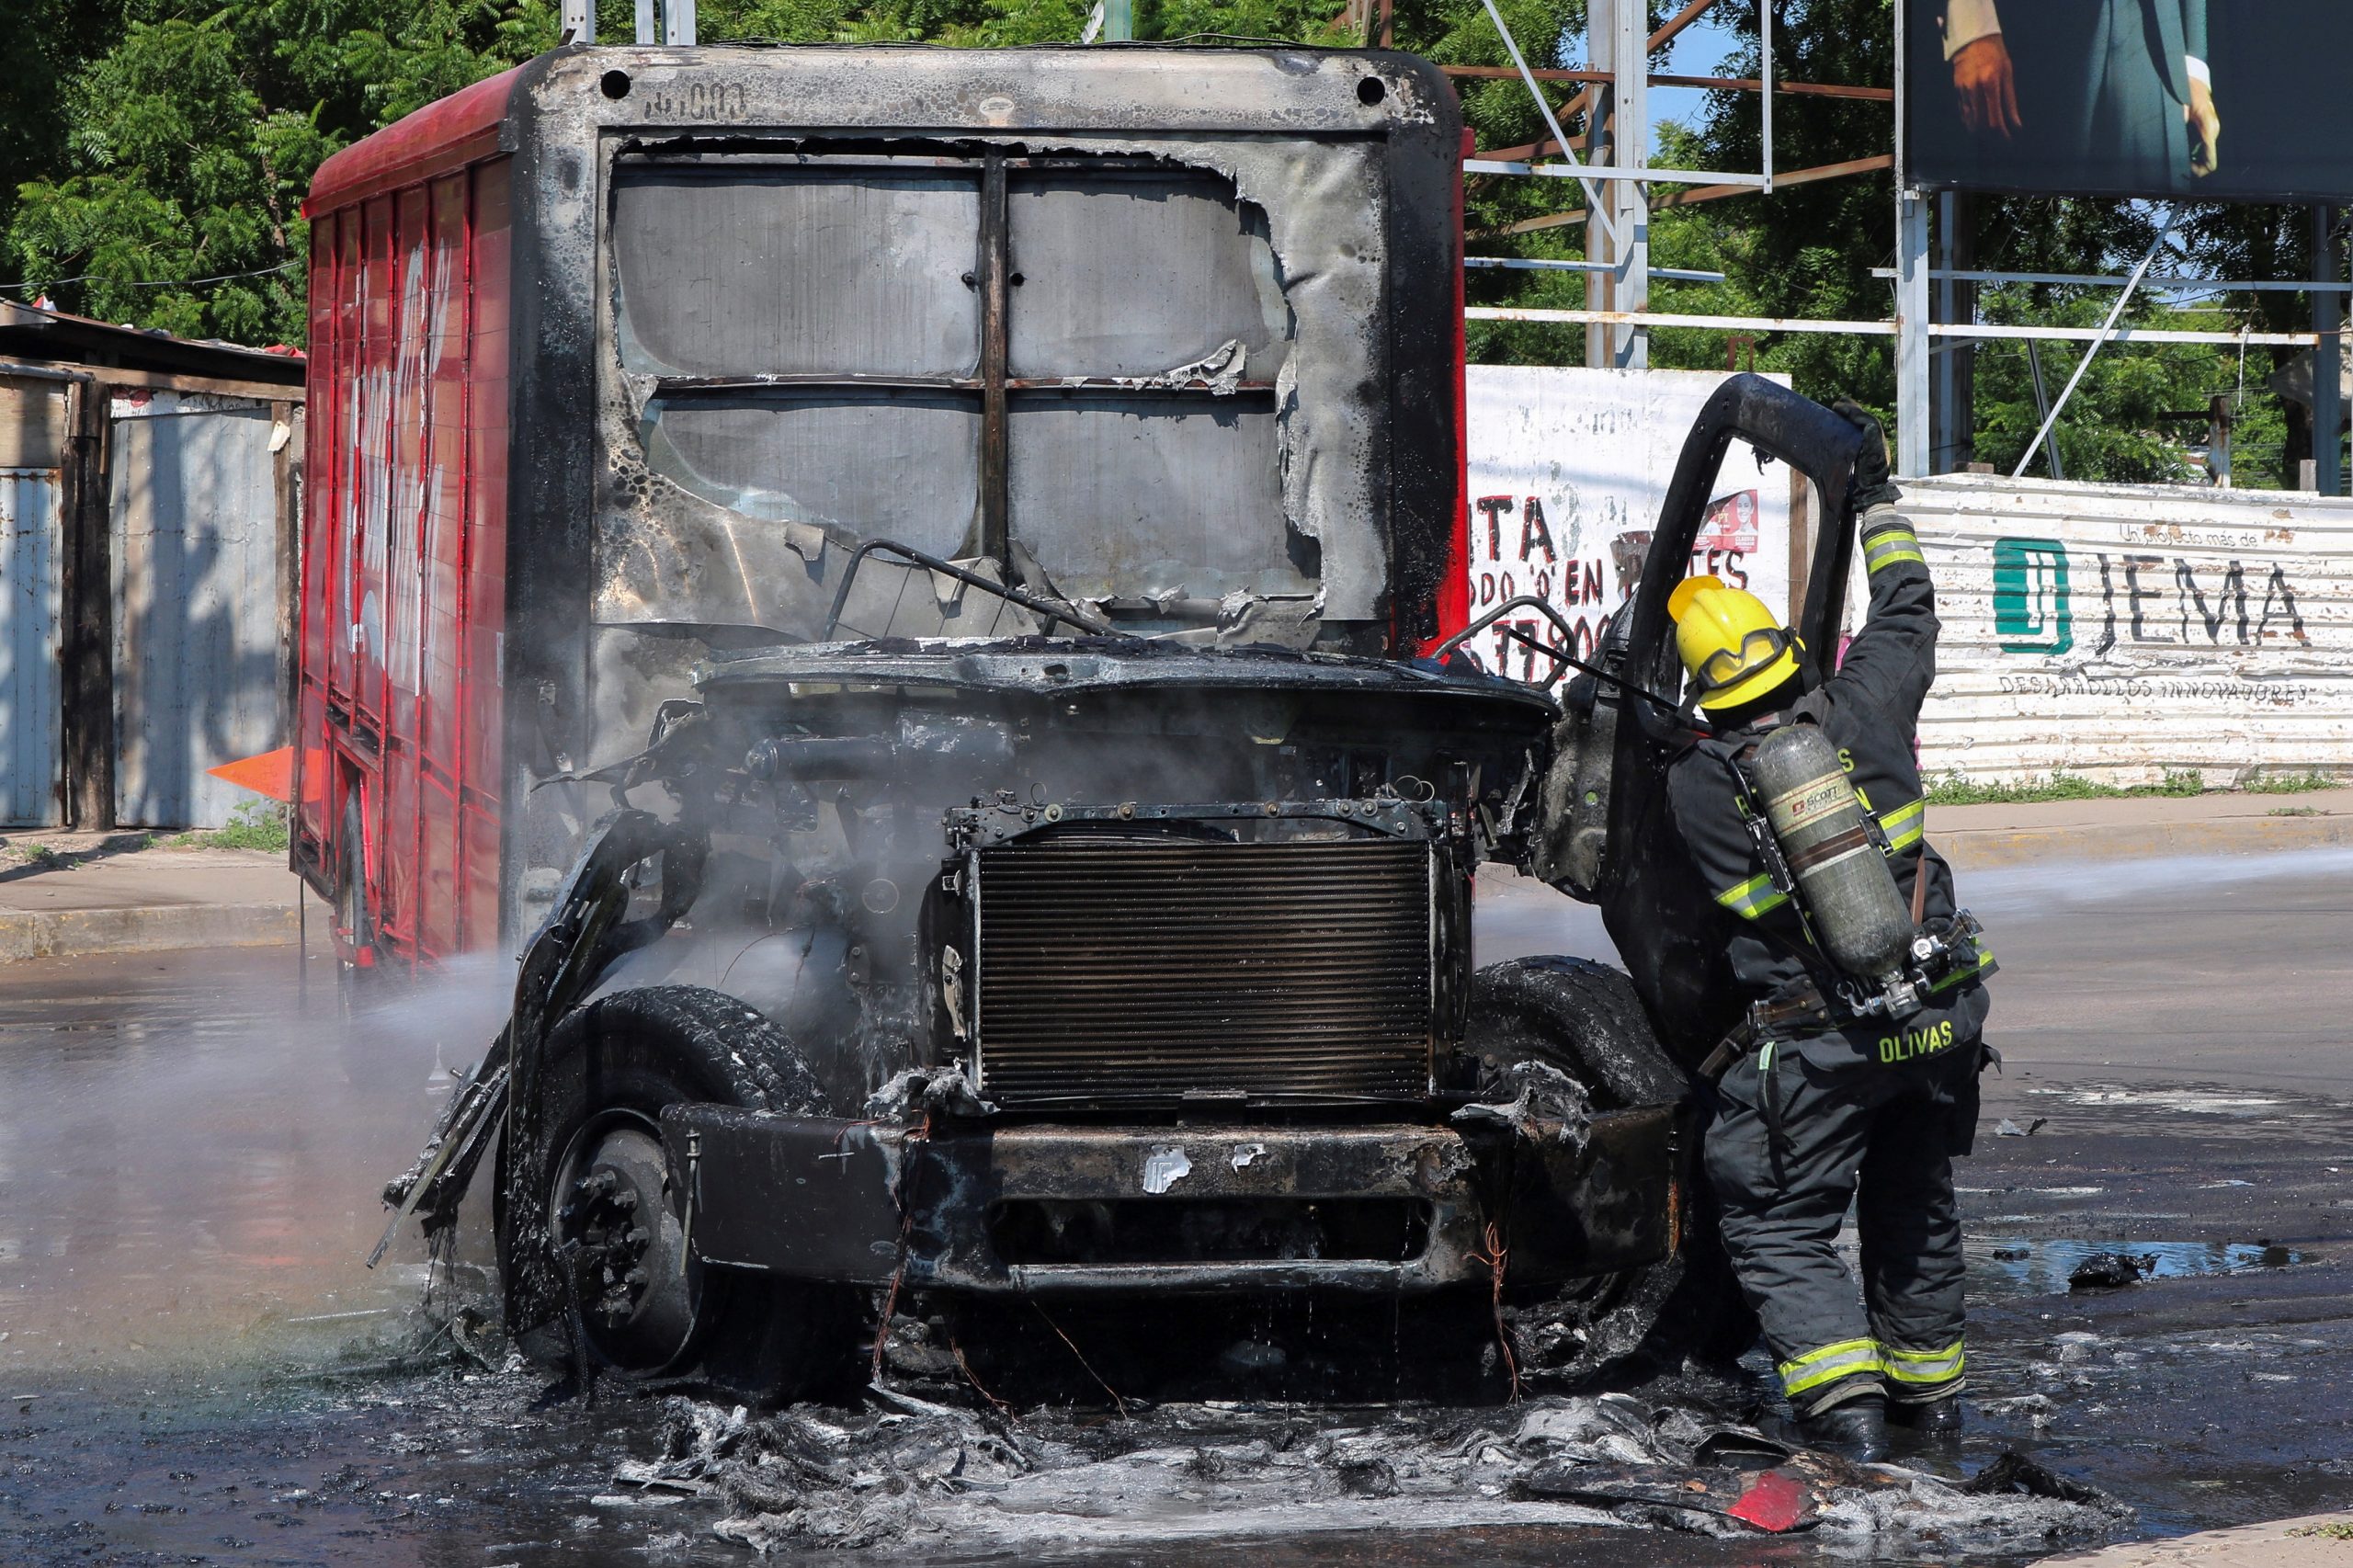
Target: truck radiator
x: 1126, y: 969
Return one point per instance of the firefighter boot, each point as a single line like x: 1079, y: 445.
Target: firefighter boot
x: 1937, y: 1420
x: 1854, y: 1428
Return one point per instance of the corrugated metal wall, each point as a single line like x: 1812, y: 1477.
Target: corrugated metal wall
x: 32, y: 767
x: 2122, y: 632
x: 193, y: 514
x: 406, y: 555
x: 31, y: 625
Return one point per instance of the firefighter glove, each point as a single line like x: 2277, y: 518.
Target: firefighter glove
x: 1872, y: 486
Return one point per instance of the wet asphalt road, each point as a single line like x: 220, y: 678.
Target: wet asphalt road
x: 196, y: 1369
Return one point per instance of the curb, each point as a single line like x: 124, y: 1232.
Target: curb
x: 2272, y: 1545
x: 1978, y: 849
x: 72, y: 932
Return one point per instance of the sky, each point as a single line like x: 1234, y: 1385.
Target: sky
x: 1703, y: 49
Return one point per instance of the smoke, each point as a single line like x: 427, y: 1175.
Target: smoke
x: 1518, y: 916
x: 193, y: 1155
x: 2030, y: 889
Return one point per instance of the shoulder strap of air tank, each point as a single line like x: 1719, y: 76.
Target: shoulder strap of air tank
x: 1736, y: 761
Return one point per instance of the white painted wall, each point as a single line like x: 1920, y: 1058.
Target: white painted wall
x: 1565, y: 464
x: 2117, y: 633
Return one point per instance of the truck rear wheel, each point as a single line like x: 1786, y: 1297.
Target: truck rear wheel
x: 639, y: 1306
x: 1585, y: 1019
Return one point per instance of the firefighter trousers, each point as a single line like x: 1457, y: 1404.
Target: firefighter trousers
x: 1802, y: 1129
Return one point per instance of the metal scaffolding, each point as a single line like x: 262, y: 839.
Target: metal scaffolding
x: 1935, y: 314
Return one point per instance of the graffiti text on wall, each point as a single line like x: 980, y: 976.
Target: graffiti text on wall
x: 2145, y: 601
x: 1515, y: 552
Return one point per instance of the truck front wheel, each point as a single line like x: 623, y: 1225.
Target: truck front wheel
x: 1585, y: 1019
x: 639, y: 1305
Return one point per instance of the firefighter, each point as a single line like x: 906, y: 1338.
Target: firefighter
x: 1818, y: 1099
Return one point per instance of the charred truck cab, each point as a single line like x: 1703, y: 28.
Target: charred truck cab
x: 974, y: 814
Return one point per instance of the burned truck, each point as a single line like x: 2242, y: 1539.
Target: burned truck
x: 921, y: 594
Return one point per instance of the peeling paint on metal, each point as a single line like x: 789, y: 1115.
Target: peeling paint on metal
x: 1165, y: 1168
x: 1314, y: 190
x: 1329, y: 261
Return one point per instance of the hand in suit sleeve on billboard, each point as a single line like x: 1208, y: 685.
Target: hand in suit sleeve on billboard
x: 1982, y: 72
x: 1988, y: 85
x: 2199, y: 111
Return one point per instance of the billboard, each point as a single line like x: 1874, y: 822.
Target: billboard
x: 1568, y: 471
x: 2232, y: 100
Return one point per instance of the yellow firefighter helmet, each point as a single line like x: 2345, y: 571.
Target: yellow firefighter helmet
x: 1735, y: 649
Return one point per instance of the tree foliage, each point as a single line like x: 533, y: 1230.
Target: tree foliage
x: 154, y: 154
x: 186, y: 136
x: 1812, y: 251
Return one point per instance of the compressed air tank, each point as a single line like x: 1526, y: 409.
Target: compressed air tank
x: 1857, y: 914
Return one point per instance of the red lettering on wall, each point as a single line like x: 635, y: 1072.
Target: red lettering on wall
x: 1491, y: 508
x: 1533, y: 532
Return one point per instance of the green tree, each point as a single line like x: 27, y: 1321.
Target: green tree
x: 172, y: 195
x: 157, y: 151
x: 153, y: 154
x: 2258, y: 242
x: 45, y: 44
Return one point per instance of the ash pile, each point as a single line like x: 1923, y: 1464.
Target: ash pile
x: 898, y: 1473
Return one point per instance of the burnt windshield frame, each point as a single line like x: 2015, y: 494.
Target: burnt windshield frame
x: 994, y: 170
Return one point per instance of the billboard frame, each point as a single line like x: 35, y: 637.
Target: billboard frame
x: 1927, y: 323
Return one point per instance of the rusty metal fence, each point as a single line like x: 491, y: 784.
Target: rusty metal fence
x: 146, y: 541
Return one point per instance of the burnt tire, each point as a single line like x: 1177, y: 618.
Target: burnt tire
x: 1585, y: 1019
x: 610, y: 1068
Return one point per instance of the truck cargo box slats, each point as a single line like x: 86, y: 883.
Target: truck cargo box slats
x: 1116, y: 971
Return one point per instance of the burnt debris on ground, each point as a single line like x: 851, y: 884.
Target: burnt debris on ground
x: 908, y: 1474
x: 2110, y: 1271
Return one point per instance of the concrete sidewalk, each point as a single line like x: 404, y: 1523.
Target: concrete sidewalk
x: 2218, y: 823
x: 128, y: 893
x: 2315, y: 1540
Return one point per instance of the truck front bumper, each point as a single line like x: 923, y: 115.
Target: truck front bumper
x: 1075, y: 1208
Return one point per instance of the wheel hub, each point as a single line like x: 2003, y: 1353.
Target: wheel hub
x: 633, y: 1284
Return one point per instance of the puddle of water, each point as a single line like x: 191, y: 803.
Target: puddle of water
x: 188, y: 1178
x: 2189, y: 1102
x: 2030, y: 1266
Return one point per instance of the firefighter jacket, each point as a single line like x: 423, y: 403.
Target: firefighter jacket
x: 1870, y: 710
